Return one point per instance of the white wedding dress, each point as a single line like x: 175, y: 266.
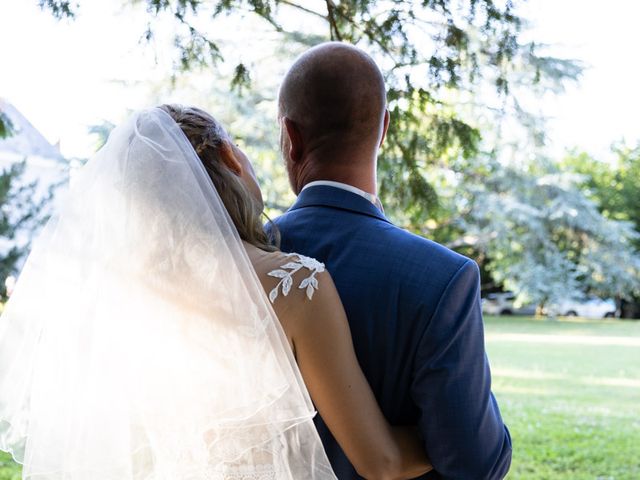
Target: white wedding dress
x: 139, y: 344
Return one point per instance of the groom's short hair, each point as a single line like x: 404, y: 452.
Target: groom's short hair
x: 335, y: 93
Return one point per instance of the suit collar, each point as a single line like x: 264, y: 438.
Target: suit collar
x: 328, y: 196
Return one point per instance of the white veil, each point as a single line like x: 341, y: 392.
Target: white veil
x: 139, y: 343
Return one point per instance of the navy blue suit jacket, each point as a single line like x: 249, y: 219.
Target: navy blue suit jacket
x: 414, y: 311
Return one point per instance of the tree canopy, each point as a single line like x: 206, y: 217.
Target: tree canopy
x: 6, y: 126
x: 426, y: 48
x: 465, y: 160
x: 613, y: 185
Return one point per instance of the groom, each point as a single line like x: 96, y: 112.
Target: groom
x: 413, y: 305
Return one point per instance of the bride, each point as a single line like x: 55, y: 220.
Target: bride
x: 157, y: 334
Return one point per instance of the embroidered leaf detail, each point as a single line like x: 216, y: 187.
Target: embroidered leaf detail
x: 291, y: 266
x: 286, y: 272
x: 273, y: 295
x: 279, y: 274
x: 312, y: 264
x: 310, y: 291
x: 286, y: 285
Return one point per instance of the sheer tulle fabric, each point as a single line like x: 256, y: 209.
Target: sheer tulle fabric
x: 138, y: 343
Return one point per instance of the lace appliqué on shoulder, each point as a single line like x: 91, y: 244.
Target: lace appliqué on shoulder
x: 285, y: 274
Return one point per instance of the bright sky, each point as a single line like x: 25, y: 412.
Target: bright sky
x: 604, y: 107
x: 65, y: 76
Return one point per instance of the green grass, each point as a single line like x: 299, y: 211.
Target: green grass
x: 572, y: 404
x: 8, y: 469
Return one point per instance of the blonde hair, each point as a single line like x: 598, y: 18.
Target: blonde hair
x: 207, y: 137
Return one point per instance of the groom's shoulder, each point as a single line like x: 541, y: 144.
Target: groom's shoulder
x: 424, y: 252
x: 375, y: 237
x: 427, y: 270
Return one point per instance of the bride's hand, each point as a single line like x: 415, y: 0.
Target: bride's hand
x: 411, y: 443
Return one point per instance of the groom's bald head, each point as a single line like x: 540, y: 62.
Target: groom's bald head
x: 335, y: 93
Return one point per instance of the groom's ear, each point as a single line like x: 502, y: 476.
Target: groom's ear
x: 296, y: 142
x: 228, y: 157
x: 385, y: 126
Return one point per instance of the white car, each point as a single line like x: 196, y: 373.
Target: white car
x: 502, y: 303
x: 591, y: 307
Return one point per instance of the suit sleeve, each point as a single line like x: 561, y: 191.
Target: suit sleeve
x: 460, y: 421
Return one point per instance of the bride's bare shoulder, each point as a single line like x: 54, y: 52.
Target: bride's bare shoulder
x: 294, y: 272
x: 302, y: 294
x: 292, y: 279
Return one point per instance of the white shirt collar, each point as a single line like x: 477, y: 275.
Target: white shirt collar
x: 349, y: 188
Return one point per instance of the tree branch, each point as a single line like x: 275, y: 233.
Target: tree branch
x: 372, y: 38
x: 333, y: 26
x: 300, y: 7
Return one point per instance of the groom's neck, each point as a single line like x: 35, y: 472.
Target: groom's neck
x: 353, y: 168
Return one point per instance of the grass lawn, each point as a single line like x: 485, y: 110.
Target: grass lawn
x: 572, y: 400
x: 569, y: 391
